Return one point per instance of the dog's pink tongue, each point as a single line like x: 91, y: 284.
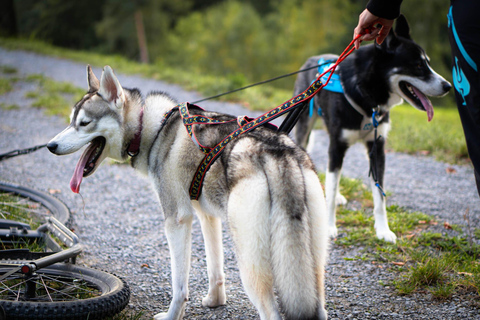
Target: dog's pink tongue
x: 427, y: 104
x: 78, y: 174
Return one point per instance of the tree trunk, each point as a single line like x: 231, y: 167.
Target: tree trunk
x: 142, y: 41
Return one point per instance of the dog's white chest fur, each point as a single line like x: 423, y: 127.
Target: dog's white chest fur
x: 366, y: 132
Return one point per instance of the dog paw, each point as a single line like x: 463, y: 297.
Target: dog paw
x: 169, y: 316
x: 387, y: 235
x: 213, y: 301
x: 161, y: 316
x: 322, y: 314
x: 332, y: 231
x: 340, y: 200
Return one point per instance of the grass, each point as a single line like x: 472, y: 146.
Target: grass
x: 441, y: 264
x: 443, y: 138
x: 21, y: 210
x: 5, y: 85
x: 128, y: 315
x: 9, y: 106
x: 56, y: 98
x: 18, y: 209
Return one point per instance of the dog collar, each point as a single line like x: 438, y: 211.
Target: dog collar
x: 134, y: 146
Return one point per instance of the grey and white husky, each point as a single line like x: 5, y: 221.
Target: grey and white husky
x: 263, y: 184
x: 375, y: 77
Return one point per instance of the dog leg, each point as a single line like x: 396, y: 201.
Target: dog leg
x: 332, y: 179
x: 212, y: 235
x: 179, y: 238
x: 248, y: 215
x: 379, y: 204
x: 336, y: 152
x: 380, y: 213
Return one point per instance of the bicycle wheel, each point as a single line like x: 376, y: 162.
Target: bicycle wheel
x: 62, y: 291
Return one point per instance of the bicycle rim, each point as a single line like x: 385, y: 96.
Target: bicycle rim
x: 62, y: 291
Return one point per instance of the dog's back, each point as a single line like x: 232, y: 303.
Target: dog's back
x: 320, y: 103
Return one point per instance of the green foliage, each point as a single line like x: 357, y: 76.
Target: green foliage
x: 9, y: 107
x: 14, y: 208
x: 129, y: 315
x: 259, y: 39
x: 425, y: 261
x: 5, y: 85
x: 430, y: 270
x: 429, y: 28
x: 220, y: 41
x: 442, y: 138
x: 66, y: 23
x: 8, y: 69
x: 353, y: 189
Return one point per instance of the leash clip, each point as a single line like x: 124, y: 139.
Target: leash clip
x: 374, y: 118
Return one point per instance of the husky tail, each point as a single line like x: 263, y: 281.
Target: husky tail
x: 297, y: 249
x: 279, y: 228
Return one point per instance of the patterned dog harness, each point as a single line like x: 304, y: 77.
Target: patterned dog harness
x: 333, y: 85
x: 246, y: 124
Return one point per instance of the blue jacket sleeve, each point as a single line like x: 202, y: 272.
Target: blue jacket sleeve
x: 387, y: 9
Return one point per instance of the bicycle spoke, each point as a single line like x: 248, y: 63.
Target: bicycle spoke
x: 49, y: 288
x: 75, y: 290
x: 10, y: 288
x: 45, y: 286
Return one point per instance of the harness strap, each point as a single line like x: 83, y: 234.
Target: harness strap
x: 189, y: 121
x: 198, y: 178
x: 373, y: 154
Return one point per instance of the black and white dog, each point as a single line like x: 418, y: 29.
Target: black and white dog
x: 372, y: 79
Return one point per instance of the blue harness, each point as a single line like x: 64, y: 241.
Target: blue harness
x: 333, y: 85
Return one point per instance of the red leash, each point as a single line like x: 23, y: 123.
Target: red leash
x: 348, y: 50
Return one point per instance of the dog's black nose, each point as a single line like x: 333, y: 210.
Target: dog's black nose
x: 447, y: 86
x: 52, y: 146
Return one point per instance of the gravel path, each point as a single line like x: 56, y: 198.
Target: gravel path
x: 119, y: 221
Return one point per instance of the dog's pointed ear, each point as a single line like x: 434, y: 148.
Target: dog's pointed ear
x: 110, y: 89
x: 93, y: 84
x: 401, y: 27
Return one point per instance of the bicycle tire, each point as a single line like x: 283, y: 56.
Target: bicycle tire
x: 58, y: 209
x: 115, y: 295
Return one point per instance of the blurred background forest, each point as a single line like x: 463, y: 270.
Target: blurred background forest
x: 251, y: 40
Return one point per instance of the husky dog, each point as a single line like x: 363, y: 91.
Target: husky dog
x: 263, y: 184
x: 375, y: 77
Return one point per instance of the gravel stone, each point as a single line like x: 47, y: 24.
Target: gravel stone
x: 119, y: 221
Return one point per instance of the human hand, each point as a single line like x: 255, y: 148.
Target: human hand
x: 369, y: 29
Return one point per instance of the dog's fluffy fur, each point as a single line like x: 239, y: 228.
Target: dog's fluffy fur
x: 263, y: 184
